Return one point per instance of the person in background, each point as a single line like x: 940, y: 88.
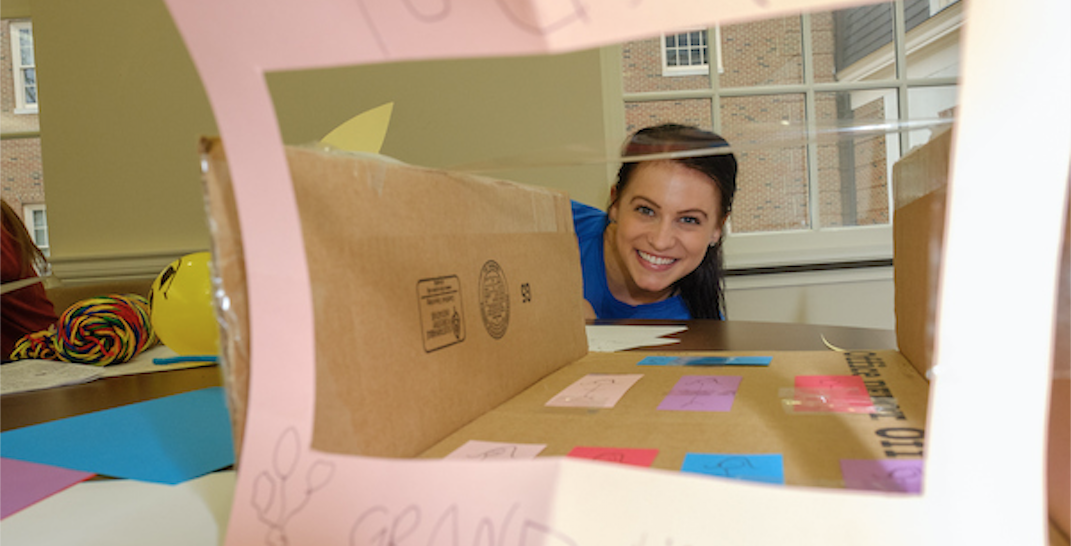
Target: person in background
x: 656, y: 251
x: 24, y: 310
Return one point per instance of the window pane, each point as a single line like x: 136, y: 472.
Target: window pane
x: 859, y: 42
x: 26, y: 47
x: 855, y: 156
x: 641, y: 70
x: 762, y: 53
x: 688, y: 112
x: 930, y: 103
x: 772, y: 180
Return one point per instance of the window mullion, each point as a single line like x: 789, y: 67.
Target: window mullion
x: 811, y: 121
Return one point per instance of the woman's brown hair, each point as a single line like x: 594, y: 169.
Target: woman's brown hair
x: 31, y: 259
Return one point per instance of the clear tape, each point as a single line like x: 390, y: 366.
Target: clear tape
x: 756, y: 137
x: 809, y: 401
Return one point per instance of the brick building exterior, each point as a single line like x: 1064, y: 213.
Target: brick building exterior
x: 768, y: 131
x: 21, y: 175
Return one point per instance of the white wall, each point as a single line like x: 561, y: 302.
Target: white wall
x: 860, y: 298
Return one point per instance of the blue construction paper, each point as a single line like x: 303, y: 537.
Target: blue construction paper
x: 166, y: 440
x: 706, y: 361
x: 755, y: 468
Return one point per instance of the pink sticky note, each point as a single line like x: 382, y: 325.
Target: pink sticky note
x: 832, y: 393
x: 595, y: 391
x: 635, y: 457
x: 702, y: 393
x: 904, y: 475
x: 26, y: 483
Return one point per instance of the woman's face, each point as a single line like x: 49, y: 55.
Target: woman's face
x: 666, y: 218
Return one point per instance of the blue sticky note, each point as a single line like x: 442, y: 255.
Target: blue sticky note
x: 167, y: 440
x: 706, y: 361
x: 756, y: 468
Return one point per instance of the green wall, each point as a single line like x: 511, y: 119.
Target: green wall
x: 122, y: 108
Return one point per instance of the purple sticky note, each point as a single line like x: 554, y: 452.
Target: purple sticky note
x: 902, y: 475
x: 26, y: 483
x: 702, y: 393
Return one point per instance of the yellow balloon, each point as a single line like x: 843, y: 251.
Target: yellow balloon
x: 180, y: 306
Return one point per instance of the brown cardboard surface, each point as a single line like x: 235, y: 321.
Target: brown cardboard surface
x: 437, y: 297
x: 812, y: 445
x: 919, y: 187
x: 228, y: 265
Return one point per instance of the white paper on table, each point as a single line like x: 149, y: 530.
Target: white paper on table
x: 33, y: 375
x: 608, y: 338
x: 127, y: 512
x: 483, y: 450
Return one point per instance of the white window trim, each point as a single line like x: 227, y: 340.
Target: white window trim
x: 693, y: 70
x: 27, y: 220
x: 16, y: 64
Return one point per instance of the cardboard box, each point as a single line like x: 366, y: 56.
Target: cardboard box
x: 919, y: 186
x: 448, y: 309
x: 437, y: 296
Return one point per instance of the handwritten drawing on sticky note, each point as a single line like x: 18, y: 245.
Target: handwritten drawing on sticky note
x: 482, y: 450
x: 622, y: 455
x: 702, y: 393
x: 900, y: 475
x: 832, y: 393
x: 595, y: 391
x: 765, y: 468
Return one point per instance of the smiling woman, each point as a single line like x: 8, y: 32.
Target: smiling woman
x: 656, y: 252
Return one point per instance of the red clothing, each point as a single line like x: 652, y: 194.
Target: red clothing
x: 23, y: 311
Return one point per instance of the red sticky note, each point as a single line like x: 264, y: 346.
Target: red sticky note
x: 635, y: 457
x: 832, y: 393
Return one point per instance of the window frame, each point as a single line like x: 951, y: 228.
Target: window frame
x: 816, y: 244
x: 29, y: 212
x: 687, y: 70
x: 15, y: 28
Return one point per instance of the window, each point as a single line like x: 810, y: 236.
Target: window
x: 23, y: 67
x: 818, y: 108
x: 37, y: 224
x: 685, y: 54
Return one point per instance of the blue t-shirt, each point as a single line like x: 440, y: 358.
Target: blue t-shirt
x: 590, y: 223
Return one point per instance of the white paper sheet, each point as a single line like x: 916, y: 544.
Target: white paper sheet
x: 127, y: 512
x: 610, y: 338
x: 33, y: 375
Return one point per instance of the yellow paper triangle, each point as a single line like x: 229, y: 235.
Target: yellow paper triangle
x: 364, y: 132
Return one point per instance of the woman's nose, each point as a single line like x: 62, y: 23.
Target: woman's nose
x: 661, y: 236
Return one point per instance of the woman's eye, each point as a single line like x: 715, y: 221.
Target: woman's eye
x: 646, y: 211
x: 690, y: 220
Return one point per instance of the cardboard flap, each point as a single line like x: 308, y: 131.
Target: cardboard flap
x: 437, y: 296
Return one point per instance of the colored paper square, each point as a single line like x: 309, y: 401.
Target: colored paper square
x: 595, y: 391
x: 755, y: 468
x: 706, y: 361
x: 481, y: 450
x: 635, y: 457
x: 832, y: 393
x: 901, y: 475
x: 166, y: 440
x: 24, y: 483
x: 702, y: 393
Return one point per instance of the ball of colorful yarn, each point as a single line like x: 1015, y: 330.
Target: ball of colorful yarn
x: 36, y: 345
x: 101, y: 331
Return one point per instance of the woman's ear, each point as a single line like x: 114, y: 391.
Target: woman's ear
x: 611, y: 211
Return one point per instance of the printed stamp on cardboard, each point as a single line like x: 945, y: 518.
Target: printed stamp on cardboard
x: 442, y: 317
x: 494, y: 299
